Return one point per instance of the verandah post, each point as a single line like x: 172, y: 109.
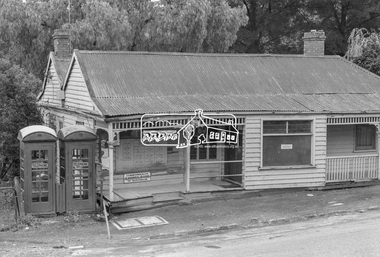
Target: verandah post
x: 378, y: 149
x: 187, y: 169
x: 111, y: 168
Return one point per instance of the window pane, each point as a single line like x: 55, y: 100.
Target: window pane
x: 44, y: 197
x: 35, y: 197
x: 299, y: 126
x: 202, y: 152
x: 35, y: 154
x: 212, y: 151
x: 44, y: 154
x: 286, y: 150
x: 275, y: 127
x: 193, y: 153
x: 365, y: 137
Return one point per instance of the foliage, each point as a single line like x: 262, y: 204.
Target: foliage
x: 18, y: 109
x: 277, y: 26
x: 73, y: 216
x: 364, y: 49
x: 181, y: 26
x: 30, y: 221
x: 103, y: 28
x: 271, y: 24
x: 339, y: 17
x: 26, y: 27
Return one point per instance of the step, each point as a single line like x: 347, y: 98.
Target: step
x: 167, y: 196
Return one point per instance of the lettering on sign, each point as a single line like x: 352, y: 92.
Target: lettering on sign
x: 159, y: 136
x: 286, y: 146
x: 80, y: 165
x: 136, y: 177
x: 39, y: 165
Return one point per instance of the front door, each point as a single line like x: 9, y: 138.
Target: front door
x: 40, y: 199
x: 80, y: 183
x: 233, y: 166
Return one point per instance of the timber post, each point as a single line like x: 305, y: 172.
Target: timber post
x: 187, y: 169
x: 111, y: 159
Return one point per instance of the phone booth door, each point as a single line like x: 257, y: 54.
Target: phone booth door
x: 80, y: 189
x: 40, y: 195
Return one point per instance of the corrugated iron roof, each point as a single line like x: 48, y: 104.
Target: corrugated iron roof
x: 126, y: 83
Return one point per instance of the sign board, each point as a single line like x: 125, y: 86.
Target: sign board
x: 286, y: 146
x: 136, y: 177
x: 39, y: 165
x: 80, y: 165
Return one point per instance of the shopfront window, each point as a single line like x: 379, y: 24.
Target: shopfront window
x: 287, y: 142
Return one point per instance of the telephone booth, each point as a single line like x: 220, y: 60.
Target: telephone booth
x: 77, y: 167
x: 37, y: 168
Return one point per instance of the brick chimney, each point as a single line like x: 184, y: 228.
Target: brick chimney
x: 61, y: 39
x: 314, y: 43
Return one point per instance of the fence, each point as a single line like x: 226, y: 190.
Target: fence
x: 352, y: 168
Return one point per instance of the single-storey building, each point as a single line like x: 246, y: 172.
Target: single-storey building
x: 299, y: 120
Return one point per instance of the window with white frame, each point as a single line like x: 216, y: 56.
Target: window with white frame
x: 365, y: 137
x: 287, y: 142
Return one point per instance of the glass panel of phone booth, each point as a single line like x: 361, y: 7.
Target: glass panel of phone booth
x: 39, y: 178
x: 80, y: 186
x: 40, y: 175
x: 80, y: 173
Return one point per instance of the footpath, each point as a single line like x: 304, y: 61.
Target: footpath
x: 238, y: 211
x: 59, y: 234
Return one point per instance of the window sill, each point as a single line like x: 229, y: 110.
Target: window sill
x: 364, y: 150
x: 288, y: 167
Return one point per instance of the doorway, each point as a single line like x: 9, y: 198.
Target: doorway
x: 79, y: 177
x: 233, y: 156
x: 41, y: 198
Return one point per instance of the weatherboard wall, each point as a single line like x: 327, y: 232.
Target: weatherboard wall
x: 265, y: 178
x: 52, y: 87
x: 77, y: 95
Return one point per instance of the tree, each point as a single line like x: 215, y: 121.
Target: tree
x: 273, y: 25
x: 181, y: 26
x: 26, y: 29
x: 364, y: 49
x: 222, y: 26
x: 339, y: 17
x: 277, y: 26
x: 18, y: 109
x: 103, y: 28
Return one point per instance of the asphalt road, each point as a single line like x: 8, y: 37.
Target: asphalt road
x: 350, y: 235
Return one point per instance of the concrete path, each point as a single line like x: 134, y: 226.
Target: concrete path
x: 244, y: 211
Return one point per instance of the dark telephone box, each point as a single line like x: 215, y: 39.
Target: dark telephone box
x: 77, y: 167
x: 37, y: 168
